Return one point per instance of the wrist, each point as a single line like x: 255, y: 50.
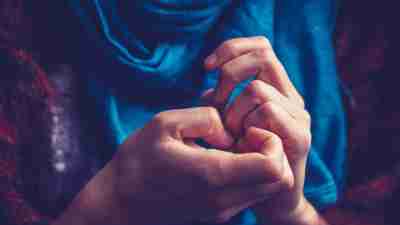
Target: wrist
x: 95, y: 204
x: 303, y: 214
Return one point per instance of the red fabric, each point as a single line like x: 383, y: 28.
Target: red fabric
x: 41, y: 81
x: 18, y: 210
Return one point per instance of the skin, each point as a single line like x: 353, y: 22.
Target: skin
x: 270, y: 102
x: 260, y: 145
x: 161, y: 166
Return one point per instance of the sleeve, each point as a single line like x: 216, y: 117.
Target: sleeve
x: 14, y: 209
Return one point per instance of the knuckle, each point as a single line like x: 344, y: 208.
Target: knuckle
x: 260, y: 92
x: 303, y: 142
x: 302, y: 103
x: 229, y: 47
x: 166, y: 122
x: 307, y: 117
x: 228, y: 74
x: 232, y: 123
x: 267, y: 44
x: 270, y: 108
x: 264, y: 56
x: 161, y: 120
x: 267, y: 112
x: 275, y: 141
x: 306, y: 141
x: 254, y: 89
x: 213, y: 119
x: 212, y: 113
x: 278, y: 173
x: 273, y: 168
x: 286, y: 181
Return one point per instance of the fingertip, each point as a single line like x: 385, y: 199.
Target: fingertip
x: 206, y: 98
x: 222, y: 141
x: 218, y: 136
x: 260, y: 138
x: 210, y: 62
x: 255, y: 136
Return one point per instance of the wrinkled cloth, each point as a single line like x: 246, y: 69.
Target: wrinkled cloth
x: 143, y: 57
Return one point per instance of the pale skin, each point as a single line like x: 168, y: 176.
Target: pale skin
x: 260, y: 145
x: 270, y: 102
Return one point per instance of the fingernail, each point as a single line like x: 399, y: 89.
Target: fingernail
x: 210, y: 61
x: 207, y: 97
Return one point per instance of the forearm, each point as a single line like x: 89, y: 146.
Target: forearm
x: 304, y: 214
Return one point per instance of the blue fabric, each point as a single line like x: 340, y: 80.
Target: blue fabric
x: 149, y: 54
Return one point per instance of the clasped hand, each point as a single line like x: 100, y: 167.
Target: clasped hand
x: 260, y: 144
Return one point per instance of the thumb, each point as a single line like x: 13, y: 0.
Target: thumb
x: 259, y: 140
x: 268, y: 144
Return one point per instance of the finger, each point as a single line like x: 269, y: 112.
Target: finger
x: 263, y: 164
x: 262, y: 60
x: 239, y: 198
x: 234, y: 48
x: 274, y: 73
x: 263, y: 141
x: 266, y: 143
x: 192, y: 123
x: 233, y: 73
x: 262, y: 63
x: 256, y: 94
x: 274, y: 118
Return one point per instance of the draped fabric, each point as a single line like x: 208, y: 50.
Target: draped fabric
x: 145, y: 56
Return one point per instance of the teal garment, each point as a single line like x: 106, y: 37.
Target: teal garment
x: 147, y: 58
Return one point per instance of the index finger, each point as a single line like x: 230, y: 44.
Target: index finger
x: 191, y: 123
x: 234, y: 48
x: 274, y: 73
x: 246, y: 60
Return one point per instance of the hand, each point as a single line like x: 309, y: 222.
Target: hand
x: 161, y: 166
x: 168, y: 179
x: 270, y: 102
